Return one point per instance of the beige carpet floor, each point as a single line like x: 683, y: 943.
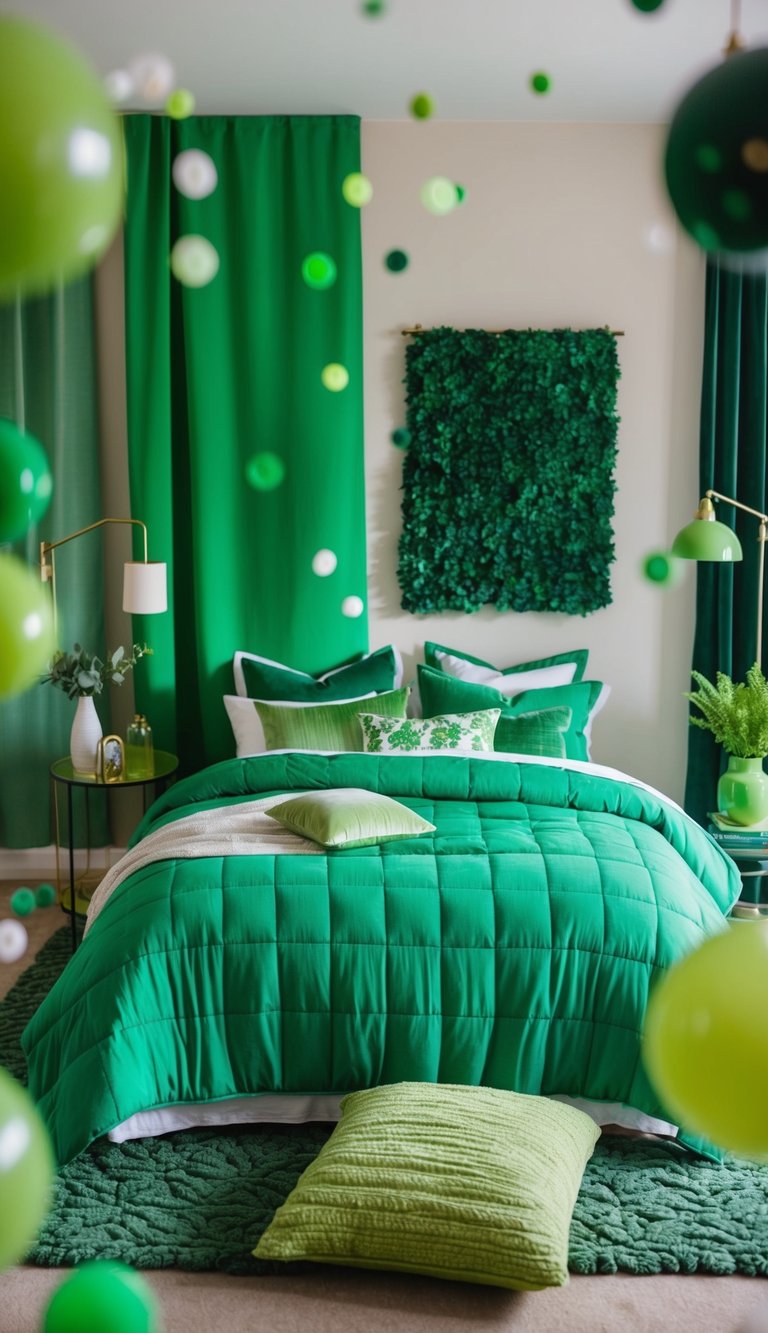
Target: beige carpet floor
x: 338, y: 1300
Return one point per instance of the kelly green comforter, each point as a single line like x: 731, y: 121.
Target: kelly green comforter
x: 514, y: 947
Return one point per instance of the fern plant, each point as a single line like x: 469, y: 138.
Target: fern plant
x: 737, y: 715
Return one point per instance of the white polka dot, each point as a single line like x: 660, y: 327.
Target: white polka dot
x: 194, y: 174
x: 13, y: 940
x: 324, y: 562
x: 352, y: 607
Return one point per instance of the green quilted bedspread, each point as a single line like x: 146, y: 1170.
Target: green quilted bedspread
x: 514, y: 947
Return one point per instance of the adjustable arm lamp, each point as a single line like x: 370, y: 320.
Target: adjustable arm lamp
x: 144, y: 582
x: 707, y: 539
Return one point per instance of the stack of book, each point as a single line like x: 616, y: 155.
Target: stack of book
x: 747, y: 845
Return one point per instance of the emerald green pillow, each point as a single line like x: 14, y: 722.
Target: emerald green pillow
x: 323, y: 726
x: 460, y: 664
x: 349, y: 817
x: 260, y: 678
x: 471, y: 1184
x: 452, y: 731
x: 441, y: 693
x: 541, y: 732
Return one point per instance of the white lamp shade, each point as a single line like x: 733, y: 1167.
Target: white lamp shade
x: 144, y: 587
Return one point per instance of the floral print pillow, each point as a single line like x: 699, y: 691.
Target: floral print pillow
x: 452, y: 731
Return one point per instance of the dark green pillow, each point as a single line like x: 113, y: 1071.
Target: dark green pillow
x: 375, y: 673
x: 441, y: 693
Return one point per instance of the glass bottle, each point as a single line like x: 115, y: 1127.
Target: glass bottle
x: 139, y: 751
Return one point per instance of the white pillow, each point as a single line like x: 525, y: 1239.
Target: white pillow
x: 246, y: 723
x: 511, y: 683
x: 240, y: 687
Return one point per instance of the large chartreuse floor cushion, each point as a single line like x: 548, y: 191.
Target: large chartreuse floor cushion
x: 469, y: 1184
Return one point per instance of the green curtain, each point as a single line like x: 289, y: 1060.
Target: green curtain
x: 224, y: 372
x: 732, y: 461
x: 48, y: 387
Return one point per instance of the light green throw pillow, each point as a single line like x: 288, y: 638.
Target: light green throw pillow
x: 471, y: 1184
x: 323, y: 726
x: 452, y: 731
x: 541, y: 732
x: 349, y: 817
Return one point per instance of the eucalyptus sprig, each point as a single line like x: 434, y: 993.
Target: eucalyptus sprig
x: 82, y: 673
x: 736, y: 715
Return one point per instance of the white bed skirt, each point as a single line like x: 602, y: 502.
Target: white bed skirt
x: 281, y: 1109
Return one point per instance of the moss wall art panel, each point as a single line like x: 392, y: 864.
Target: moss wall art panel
x: 508, y: 479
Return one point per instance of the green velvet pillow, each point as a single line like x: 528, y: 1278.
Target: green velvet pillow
x: 349, y: 817
x: 541, y: 732
x: 451, y: 731
x: 471, y: 1184
x: 441, y: 693
x: 324, y: 726
x: 260, y: 678
x: 439, y: 657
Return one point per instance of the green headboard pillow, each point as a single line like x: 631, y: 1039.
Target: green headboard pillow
x: 260, y: 678
x: 441, y: 693
x: 561, y: 669
x: 469, y: 1184
x: 332, y: 726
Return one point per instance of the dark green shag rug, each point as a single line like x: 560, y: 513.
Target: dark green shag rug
x: 200, y: 1199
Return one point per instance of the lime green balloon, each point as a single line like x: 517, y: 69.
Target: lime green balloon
x: 26, y: 1171
x: 103, y: 1297
x: 61, y: 179
x: 422, y: 106
x: 357, y: 189
x: 705, y: 1044
x: 318, y: 270
x: 26, y: 484
x: 27, y: 640
x: 180, y: 104
x: 335, y: 377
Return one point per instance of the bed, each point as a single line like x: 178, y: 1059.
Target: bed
x: 514, y: 947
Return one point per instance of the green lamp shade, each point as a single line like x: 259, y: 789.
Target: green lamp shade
x: 707, y: 539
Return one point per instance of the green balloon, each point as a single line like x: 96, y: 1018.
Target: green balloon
x: 265, y: 471
x: 103, y: 1297
x: 705, y: 1044
x: 25, y: 480
x: 60, y: 160
x: 23, y: 901
x: 27, y: 640
x: 45, y: 895
x: 26, y: 1171
x: 715, y: 159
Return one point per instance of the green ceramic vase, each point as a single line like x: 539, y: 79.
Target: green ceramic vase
x: 742, y: 792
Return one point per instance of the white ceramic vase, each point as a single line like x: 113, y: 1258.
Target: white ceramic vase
x: 84, y: 737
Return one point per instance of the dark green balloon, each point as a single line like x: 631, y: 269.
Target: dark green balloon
x: 647, y: 6
x: 45, y: 895
x: 23, y: 901
x: 396, y: 261
x: 716, y: 159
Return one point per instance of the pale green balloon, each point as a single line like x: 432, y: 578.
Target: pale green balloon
x: 61, y: 181
x: 335, y: 377
x: 357, y: 189
x: 27, y: 640
x: 26, y: 1171
x: 705, y: 1044
x: 194, y: 261
x: 438, y: 195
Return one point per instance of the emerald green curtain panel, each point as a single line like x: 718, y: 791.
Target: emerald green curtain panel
x: 732, y: 461
x: 222, y: 373
x: 48, y: 386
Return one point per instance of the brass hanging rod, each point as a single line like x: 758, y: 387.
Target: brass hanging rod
x: 419, y: 328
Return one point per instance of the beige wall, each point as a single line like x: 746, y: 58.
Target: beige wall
x: 553, y: 233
